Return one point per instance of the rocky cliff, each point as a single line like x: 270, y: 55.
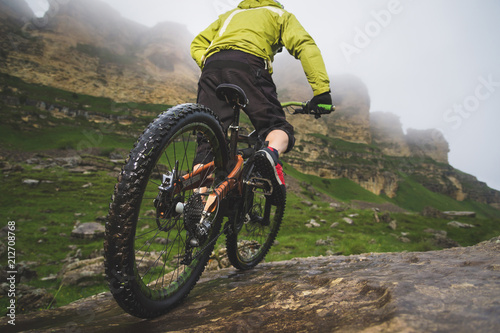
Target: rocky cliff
x: 443, y: 291
x: 15, y: 12
x: 87, y: 47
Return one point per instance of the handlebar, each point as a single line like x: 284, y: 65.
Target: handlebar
x: 304, y: 108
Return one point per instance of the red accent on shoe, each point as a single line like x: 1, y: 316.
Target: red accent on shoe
x: 279, y: 170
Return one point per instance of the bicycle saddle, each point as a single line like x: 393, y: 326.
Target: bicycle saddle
x: 232, y: 94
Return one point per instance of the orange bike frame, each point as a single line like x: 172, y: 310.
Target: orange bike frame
x: 232, y: 181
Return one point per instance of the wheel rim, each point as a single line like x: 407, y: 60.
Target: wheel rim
x: 255, y: 236
x: 159, y: 248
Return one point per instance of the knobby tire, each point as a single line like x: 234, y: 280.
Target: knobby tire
x: 143, y: 249
x: 251, y: 238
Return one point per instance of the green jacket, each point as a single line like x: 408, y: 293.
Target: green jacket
x: 262, y: 28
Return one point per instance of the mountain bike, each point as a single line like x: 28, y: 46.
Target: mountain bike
x: 183, y: 180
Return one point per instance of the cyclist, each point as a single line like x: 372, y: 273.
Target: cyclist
x: 239, y: 48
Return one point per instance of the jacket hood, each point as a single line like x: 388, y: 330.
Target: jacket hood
x: 246, y: 4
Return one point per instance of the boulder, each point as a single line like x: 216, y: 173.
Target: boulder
x: 457, y: 224
x: 453, y: 214
x: 83, y: 273
x: 91, y: 230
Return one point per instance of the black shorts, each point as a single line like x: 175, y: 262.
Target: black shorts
x: 249, y: 73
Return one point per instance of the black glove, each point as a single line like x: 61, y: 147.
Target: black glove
x: 324, y: 98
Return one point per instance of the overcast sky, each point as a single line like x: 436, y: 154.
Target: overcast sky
x: 434, y: 63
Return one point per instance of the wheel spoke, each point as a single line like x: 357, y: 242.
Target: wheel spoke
x: 252, y: 240
x: 147, y: 243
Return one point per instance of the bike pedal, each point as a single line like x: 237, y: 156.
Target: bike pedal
x: 259, y: 220
x: 261, y: 185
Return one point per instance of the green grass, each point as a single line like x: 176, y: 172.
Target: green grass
x: 61, y: 137
x: 56, y: 204
x: 366, y: 235
x: 341, y: 189
x: 415, y: 197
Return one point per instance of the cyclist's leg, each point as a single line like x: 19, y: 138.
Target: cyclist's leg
x: 278, y: 139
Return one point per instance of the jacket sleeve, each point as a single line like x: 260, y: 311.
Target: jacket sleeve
x: 302, y: 46
x: 201, y: 43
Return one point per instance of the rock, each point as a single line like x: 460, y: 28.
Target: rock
x: 117, y: 156
x: 441, y: 240
x: 4, y: 232
x: 96, y: 253
x: 31, y: 298
x: 68, y: 162
x: 454, y: 290
x: 393, y: 225
x: 31, y: 182
x: 101, y: 219
x: 459, y: 214
x: 52, y: 277
x: 92, y: 230
x: 335, y: 205
x: 348, y: 221
x: 457, y: 224
x: 313, y: 224
x: 327, y: 241
x: 83, y: 273
x: 386, y: 217
x: 6, y: 167
x: 335, y: 225
x: 436, y: 232
x: 404, y: 239
x: 162, y: 241
x: 432, y: 212
x: 24, y: 272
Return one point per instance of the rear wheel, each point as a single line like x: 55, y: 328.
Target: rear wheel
x: 151, y: 264
x: 256, y: 226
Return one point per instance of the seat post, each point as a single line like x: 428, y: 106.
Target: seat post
x: 234, y: 96
x: 234, y: 129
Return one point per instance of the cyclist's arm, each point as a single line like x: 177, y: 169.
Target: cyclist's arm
x: 303, y: 47
x: 201, y: 43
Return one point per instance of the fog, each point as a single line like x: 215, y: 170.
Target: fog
x: 434, y: 63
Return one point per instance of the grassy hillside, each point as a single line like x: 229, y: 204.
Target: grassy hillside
x: 46, y: 213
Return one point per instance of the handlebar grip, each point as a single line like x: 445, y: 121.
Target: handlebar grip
x: 327, y: 107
